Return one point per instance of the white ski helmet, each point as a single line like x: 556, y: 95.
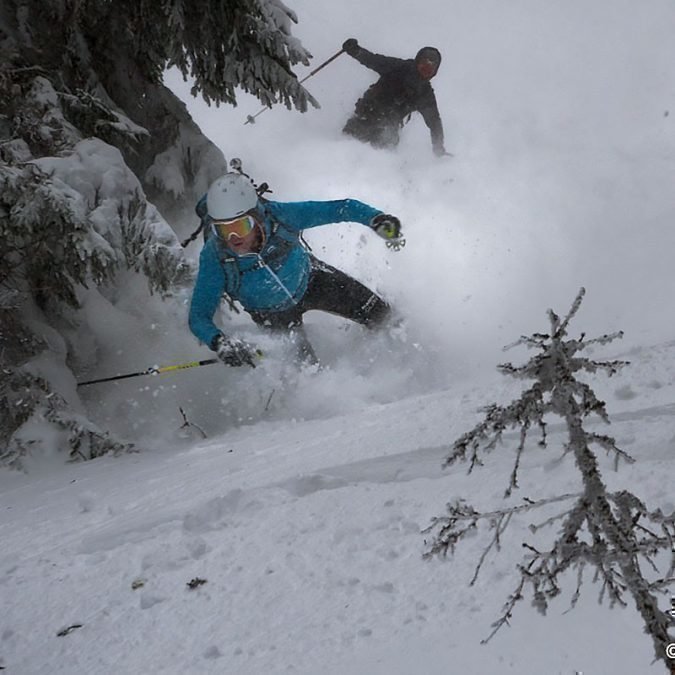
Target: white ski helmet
x: 230, y: 196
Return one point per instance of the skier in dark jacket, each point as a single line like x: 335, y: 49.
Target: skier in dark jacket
x: 403, y: 88
x: 254, y: 254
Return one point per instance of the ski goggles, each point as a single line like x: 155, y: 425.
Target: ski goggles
x: 239, y: 226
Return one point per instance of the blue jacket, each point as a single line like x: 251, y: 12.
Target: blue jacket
x: 274, y: 279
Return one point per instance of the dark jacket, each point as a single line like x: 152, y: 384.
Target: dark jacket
x: 399, y: 92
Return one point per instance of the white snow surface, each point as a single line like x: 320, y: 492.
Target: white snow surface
x: 303, y: 509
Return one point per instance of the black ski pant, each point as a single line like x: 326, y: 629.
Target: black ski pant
x: 379, y: 133
x: 333, y: 291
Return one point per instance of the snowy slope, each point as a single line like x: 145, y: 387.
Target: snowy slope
x: 303, y: 508
x: 308, y: 536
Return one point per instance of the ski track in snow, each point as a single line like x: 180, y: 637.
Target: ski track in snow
x: 322, y: 535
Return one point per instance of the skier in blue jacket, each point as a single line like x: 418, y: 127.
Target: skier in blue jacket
x: 253, y: 253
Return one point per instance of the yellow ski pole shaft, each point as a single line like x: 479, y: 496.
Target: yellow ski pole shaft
x: 157, y: 370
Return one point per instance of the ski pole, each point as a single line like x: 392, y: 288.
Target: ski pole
x: 156, y: 370
x: 250, y: 119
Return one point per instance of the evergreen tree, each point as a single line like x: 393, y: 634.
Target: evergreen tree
x: 613, y: 533
x: 93, y: 148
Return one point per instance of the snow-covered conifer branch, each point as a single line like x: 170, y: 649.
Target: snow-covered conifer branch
x: 238, y: 43
x: 23, y: 396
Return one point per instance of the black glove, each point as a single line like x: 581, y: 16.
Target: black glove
x: 233, y: 352
x: 389, y: 228
x: 350, y: 46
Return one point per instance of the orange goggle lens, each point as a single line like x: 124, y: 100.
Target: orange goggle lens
x: 240, y: 227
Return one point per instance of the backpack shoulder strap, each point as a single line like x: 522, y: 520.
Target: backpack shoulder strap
x: 232, y: 278
x: 285, y: 232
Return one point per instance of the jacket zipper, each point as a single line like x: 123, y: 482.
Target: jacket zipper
x: 262, y: 263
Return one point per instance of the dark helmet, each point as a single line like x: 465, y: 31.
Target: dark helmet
x: 429, y: 53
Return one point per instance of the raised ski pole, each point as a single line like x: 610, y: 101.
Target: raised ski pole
x: 250, y: 119
x: 156, y: 370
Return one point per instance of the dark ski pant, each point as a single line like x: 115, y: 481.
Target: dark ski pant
x: 328, y: 290
x: 378, y: 133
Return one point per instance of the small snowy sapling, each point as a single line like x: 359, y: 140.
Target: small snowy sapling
x: 613, y: 533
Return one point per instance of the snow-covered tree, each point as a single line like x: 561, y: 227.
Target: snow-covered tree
x: 613, y: 533
x: 96, y: 155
